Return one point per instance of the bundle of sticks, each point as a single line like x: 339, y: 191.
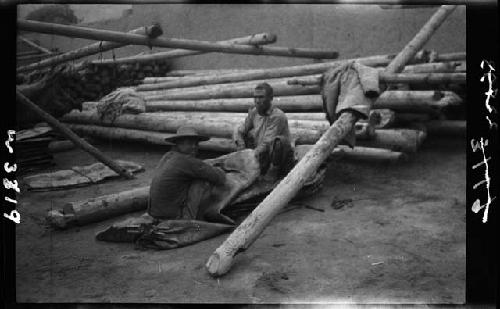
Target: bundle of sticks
x: 216, y: 101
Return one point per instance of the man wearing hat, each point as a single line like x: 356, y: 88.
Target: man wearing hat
x: 182, y: 182
x: 266, y: 131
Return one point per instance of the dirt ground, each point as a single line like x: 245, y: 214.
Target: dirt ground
x: 389, y: 233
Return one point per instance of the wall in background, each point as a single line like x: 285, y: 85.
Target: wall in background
x: 352, y: 30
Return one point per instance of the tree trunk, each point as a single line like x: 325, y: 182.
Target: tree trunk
x: 229, y: 91
x: 73, y: 137
x: 411, y: 49
x: 255, y: 39
x: 100, y: 208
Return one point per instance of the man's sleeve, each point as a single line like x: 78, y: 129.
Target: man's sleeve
x: 278, y: 126
x: 242, y: 130
x: 196, y: 168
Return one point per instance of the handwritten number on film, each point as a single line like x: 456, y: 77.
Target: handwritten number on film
x: 11, y: 184
x: 482, y: 143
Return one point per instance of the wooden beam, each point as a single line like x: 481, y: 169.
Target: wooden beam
x: 289, y: 71
x: 420, y: 38
x: 249, y: 230
x: 134, y: 39
x: 89, y: 50
x: 72, y: 136
x: 34, y: 45
x: 254, y: 39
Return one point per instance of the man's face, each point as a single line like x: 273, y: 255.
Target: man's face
x: 262, y: 101
x: 188, y: 146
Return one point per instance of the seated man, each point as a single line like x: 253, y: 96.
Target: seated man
x: 266, y: 131
x: 182, y: 183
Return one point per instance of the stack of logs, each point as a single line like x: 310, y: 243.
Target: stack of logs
x: 90, y: 81
x: 216, y: 101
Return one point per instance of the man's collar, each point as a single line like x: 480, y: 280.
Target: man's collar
x: 269, y: 111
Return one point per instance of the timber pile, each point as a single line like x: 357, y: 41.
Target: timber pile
x: 90, y: 82
x: 216, y: 101
x: 32, y: 149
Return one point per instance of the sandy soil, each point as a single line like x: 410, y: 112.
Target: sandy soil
x: 389, y: 233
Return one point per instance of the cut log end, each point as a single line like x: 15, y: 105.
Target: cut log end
x: 219, y: 263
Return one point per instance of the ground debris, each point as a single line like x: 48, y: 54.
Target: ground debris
x: 274, y: 281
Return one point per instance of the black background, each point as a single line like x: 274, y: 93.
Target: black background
x: 482, y: 239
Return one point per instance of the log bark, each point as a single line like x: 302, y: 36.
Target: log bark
x: 249, y: 230
x: 405, y: 101
x: 305, y: 103
x: 230, y: 91
x: 73, y: 137
x: 255, y: 39
x: 162, y: 122
x: 290, y: 71
x: 403, y: 140
x: 367, y: 153
x: 88, y: 50
x: 411, y: 49
x: 192, y: 73
x: 438, y: 67
x: 408, y: 142
x: 100, y: 208
x: 401, y: 78
x: 133, y: 39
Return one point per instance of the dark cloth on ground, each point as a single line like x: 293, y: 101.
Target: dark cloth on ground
x: 149, y: 233
x: 174, y: 175
x: 349, y: 87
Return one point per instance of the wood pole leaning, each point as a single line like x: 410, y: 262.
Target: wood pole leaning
x: 73, y: 137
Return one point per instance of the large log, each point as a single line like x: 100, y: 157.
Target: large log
x: 420, y: 101
x: 89, y: 50
x: 225, y: 145
x: 145, y: 88
x: 133, y: 39
x: 290, y: 71
x: 305, y: 103
x: 73, y: 137
x: 399, y: 100
x: 245, y: 90
x: 99, y: 208
x: 254, y: 39
x: 439, y: 67
x: 249, y: 230
x: 229, y: 91
x: 420, y: 38
x: 406, y: 78
x: 162, y: 122
x: 220, y: 132
x: 404, y: 140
